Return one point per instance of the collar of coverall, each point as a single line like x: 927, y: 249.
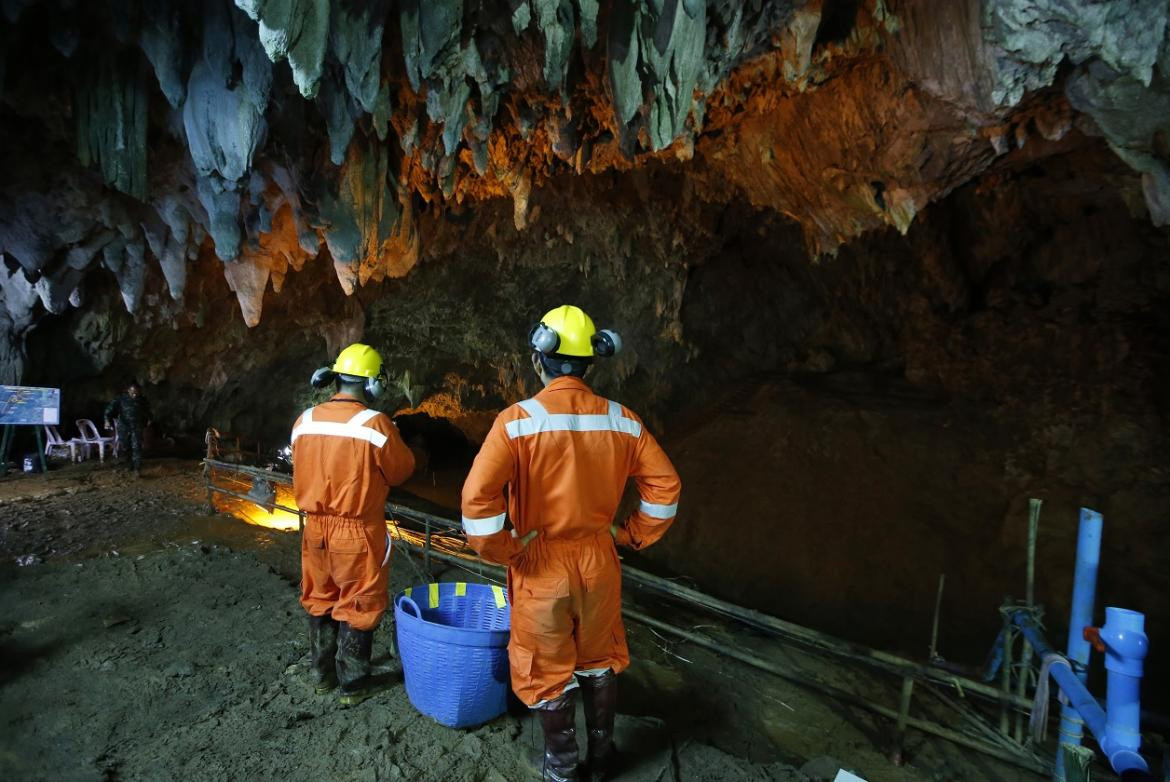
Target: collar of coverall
x: 343, y: 397
x: 568, y: 383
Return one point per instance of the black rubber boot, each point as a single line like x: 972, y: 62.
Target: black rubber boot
x: 323, y: 652
x: 558, y: 762
x: 354, y: 671
x: 600, y: 696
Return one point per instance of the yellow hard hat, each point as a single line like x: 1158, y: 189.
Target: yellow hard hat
x: 358, y: 360
x: 572, y: 335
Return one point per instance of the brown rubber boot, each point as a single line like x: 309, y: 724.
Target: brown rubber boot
x: 322, y: 652
x: 600, y: 696
x: 558, y: 762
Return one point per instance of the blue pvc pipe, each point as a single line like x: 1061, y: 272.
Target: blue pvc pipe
x: 1121, y: 751
x: 1080, y: 617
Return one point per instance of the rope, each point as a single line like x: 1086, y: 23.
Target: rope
x: 1038, y: 722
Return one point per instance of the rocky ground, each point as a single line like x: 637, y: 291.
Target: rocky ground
x: 144, y: 639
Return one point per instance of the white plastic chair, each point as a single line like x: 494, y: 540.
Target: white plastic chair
x: 55, y: 442
x: 90, y: 436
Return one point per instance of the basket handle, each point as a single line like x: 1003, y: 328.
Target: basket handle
x: 406, y: 602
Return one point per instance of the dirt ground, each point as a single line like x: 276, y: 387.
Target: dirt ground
x: 142, y: 638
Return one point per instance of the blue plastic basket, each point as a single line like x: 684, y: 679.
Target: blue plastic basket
x: 453, y: 643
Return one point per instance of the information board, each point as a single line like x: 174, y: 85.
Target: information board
x: 25, y: 405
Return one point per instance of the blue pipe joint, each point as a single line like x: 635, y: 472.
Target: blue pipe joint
x: 1126, y: 646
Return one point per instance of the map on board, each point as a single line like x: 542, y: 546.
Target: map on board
x: 30, y: 406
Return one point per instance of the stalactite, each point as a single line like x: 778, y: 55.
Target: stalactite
x: 675, y: 80
x: 227, y: 94
x: 112, y: 119
x: 363, y: 227
x: 164, y: 44
x: 293, y: 29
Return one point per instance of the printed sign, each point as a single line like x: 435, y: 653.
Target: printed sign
x: 25, y: 405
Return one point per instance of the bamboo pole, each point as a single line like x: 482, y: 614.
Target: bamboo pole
x: 900, y: 726
x: 1029, y: 600
x: 942, y: 582
x: 1027, y: 761
x: 873, y: 658
x: 1005, y: 674
x: 1078, y: 763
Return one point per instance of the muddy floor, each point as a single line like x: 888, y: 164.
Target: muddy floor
x: 142, y: 638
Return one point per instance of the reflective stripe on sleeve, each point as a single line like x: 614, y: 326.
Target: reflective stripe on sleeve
x: 658, y: 511
x: 488, y: 526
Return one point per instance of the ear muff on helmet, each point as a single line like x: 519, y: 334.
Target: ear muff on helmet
x: 544, y: 340
x: 376, y: 386
x: 606, y: 343
x: 323, y: 377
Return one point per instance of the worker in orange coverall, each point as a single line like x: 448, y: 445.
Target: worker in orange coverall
x: 345, y: 459
x: 565, y: 456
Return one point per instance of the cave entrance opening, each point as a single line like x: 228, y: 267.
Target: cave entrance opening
x: 443, y: 455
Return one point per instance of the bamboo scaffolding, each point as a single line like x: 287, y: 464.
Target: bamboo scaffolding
x: 804, y: 636
x: 758, y: 620
x: 900, y: 717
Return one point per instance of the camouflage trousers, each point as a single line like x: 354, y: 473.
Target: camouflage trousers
x: 130, y: 442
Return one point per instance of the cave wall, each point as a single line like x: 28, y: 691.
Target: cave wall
x: 884, y: 416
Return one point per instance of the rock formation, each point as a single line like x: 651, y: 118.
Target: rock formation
x: 279, y: 132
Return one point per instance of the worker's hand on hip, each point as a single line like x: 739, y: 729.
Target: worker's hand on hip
x: 524, y: 541
x: 613, y: 530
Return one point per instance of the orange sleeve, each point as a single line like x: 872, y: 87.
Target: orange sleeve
x: 659, y: 488
x: 395, y: 460
x: 484, y: 507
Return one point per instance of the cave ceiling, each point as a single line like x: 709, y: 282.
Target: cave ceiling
x: 275, y: 133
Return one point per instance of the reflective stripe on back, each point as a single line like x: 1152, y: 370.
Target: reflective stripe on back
x: 360, y: 419
x: 540, y: 420
x: 352, y: 429
x: 533, y: 408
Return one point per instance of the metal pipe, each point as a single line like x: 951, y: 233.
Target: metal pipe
x: 246, y: 498
x: 1080, y: 617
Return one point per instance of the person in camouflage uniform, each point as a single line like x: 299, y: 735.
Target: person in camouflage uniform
x: 132, y: 412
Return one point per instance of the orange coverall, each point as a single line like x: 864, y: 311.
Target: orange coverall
x: 346, y: 457
x: 565, y: 455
